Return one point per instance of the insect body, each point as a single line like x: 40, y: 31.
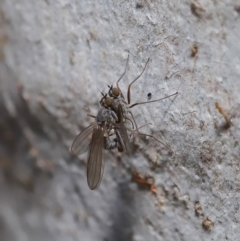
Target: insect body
x: 94, y: 138
x: 111, y: 120
x: 122, y: 108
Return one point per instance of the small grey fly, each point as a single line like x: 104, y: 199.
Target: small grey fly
x: 110, y: 120
x: 121, y: 107
x: 94, y: 139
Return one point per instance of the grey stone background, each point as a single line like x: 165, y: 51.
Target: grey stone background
x: 55, y: 58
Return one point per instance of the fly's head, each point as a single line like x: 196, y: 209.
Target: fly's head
x: 117, y: 97
x: 114, y: 92
x: 106, y: 101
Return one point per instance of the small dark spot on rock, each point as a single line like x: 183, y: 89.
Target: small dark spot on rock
x: 198, y: 209
x: 237, y: 9
x: 194, y: 50
x: 139, y: 5
x: 196, y: 9
x: 149, y: 96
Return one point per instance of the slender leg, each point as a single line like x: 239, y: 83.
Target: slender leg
x: 123, y: 72
x: 129, y: 86
x: 136, y: 127
x: 121, y: 146
x: 93, y: 116
x: 130, y: 121
x: 146, y: 102
x: 142, y: 134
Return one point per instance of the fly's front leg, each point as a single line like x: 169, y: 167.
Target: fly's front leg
x: 129, y: 86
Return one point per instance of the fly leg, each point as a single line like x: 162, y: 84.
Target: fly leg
x: 123, y: 72
x: 129, y: 86
x: 121, y: 145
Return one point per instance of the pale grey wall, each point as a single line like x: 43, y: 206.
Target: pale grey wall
x: 56, y: 56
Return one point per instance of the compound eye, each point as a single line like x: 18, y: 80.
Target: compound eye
x: 108, y: 101
x: 116, y: 92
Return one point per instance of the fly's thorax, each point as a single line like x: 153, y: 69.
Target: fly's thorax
x: 102, y: 115
x: 115, y: 104
x: 105, y: 115
x: 120, y: 101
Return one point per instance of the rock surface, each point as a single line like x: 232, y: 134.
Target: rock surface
x: 55, y: 58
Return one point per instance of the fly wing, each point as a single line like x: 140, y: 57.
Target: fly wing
x: 81, y: 142
x: 95, y: 162
x: 122, y: 130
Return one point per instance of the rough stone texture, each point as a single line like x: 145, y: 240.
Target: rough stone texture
x: 56, y: 57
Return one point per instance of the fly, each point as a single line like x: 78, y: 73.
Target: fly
x: 118, y: 99
x: 110, y: 120
x: 94, y: 139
